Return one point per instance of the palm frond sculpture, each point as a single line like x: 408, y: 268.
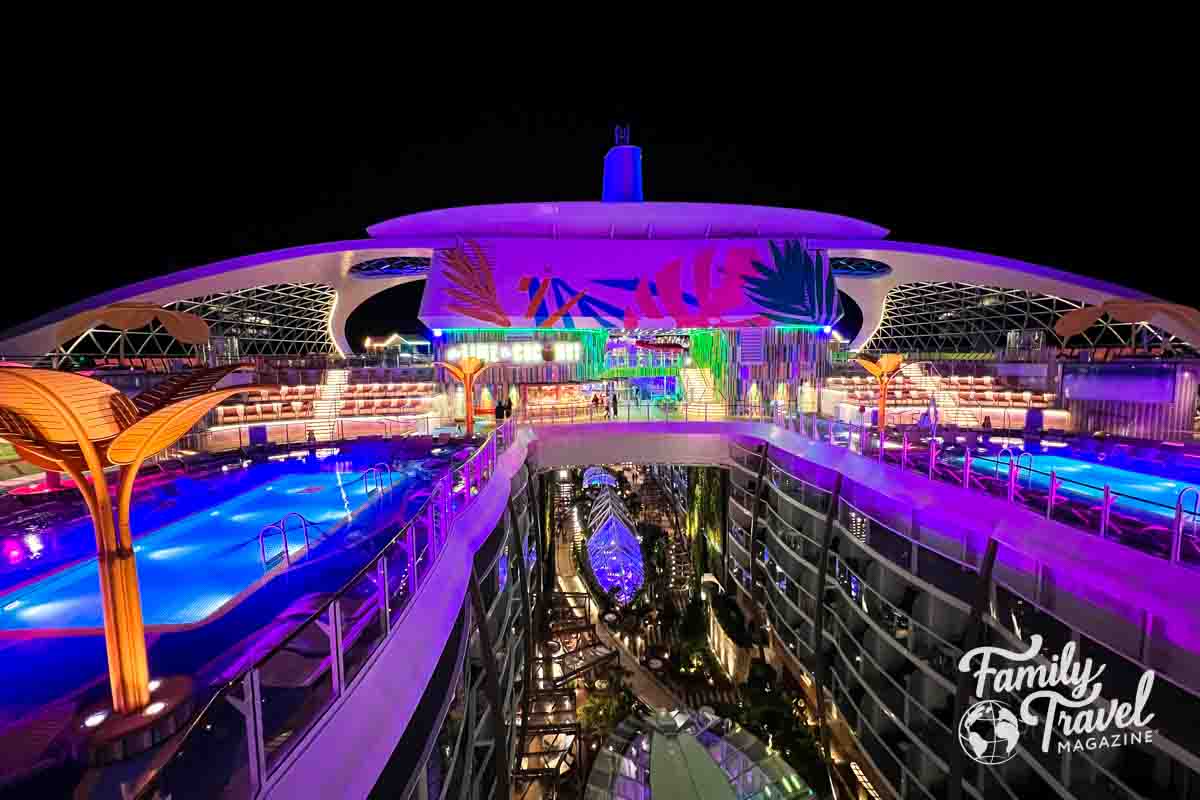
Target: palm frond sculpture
x: 883, y: 370
x: 473, y: 286
x: 798, y: 289
x: 1179, y: 320
x: 69, y: 423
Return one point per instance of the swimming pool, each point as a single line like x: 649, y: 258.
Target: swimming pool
x: 199, y: 563
x: 1136, y: 492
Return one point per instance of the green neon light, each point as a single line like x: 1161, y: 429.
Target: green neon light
x: 568, y: 331
x: 641, y: 372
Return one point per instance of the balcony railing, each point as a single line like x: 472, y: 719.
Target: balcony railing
x: 1175, y: 536
x: 243, y: 735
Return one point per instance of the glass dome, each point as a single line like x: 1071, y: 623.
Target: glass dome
x: 684, y: 755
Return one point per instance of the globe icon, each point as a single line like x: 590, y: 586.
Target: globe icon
x: 988, y: 732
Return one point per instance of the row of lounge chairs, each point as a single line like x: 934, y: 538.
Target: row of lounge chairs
x: 384, y: 405
x: 242, y: 413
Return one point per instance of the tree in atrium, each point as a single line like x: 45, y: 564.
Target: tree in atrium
x: 779, y: 717
x: 610, y: 699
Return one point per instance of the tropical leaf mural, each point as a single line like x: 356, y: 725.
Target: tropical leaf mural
x: 664, y: 296
x: 798, y: 289
x: 472, y: 284
x: 543, y: 292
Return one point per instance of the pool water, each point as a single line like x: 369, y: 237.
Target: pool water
x: 193, y: 567
x: 1137, y: 493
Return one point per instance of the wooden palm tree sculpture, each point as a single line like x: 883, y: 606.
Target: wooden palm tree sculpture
x: 883, y: 370
x: 183, y: 327
x: 1182, y: 321
x: 68, y: 423
x: 465, y: 372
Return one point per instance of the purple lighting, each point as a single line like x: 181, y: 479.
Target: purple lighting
x: 613, y: 551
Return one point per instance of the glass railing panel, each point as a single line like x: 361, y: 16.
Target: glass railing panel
x: 297, y: 685
x: 887, y: 763
x: 951, y: 577
x: 400, y: 589
x: 363, y: 627
x: 1023, y: 619
x: 214, y: 761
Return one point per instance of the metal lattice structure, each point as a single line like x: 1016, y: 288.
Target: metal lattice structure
x: 279, y: 319
x: 937, y: 316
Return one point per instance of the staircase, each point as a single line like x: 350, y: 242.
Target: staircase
x: 701, y: 398
x: 325, y: 407
x: 180, y: 387
x: 924, y: 376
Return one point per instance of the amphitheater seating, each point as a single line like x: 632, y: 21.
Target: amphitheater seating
x: 252, y: 413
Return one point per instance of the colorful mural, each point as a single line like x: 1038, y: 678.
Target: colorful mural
x: 629, y: 284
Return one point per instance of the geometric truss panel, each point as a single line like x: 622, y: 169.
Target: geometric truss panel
x: 280, y: 319
x: 949, y: 317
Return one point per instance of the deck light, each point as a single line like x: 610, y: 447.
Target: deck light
x: 154, y: 708
x: 94, y: 720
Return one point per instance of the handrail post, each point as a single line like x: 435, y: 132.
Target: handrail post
x: 1177, y: 527
x: 1053, y: 496
x: 1104, y: 510
x: 933, y: 449
x: 1012, y: 480
x: 385, y: 611
x: 904, y: 445
x: 335, y: 648
x: 966, y: 477
x: 410, y: 544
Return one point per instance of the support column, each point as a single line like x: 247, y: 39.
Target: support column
x: 819, y: 627
x: 523, y: 575
x: 491, y: 679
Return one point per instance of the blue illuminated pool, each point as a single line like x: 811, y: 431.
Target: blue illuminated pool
x: 1136, y: 492
x: 208, y: 556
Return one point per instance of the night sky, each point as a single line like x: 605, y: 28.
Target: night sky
x: 1079, y: 190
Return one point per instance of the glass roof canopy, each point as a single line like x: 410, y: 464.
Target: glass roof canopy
x: 683, y: 755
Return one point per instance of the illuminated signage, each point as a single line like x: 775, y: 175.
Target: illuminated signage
x: 517, y: 352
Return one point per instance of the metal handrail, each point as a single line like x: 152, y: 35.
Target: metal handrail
x: 1177, y: 528
x: 1030, y: 468
x: 285, y: 554
x: 281, y: 526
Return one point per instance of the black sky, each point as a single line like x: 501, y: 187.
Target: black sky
x: 1078, y: 188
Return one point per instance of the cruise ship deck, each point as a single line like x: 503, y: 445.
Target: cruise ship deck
x: 675, y: 499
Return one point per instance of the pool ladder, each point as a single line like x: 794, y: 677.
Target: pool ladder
x: 1177, y: 529
x: 372, y: 478
x: 281, y: 527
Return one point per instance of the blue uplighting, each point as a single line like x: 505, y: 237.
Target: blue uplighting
x: 598, y: 476
x: 613, y: 551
